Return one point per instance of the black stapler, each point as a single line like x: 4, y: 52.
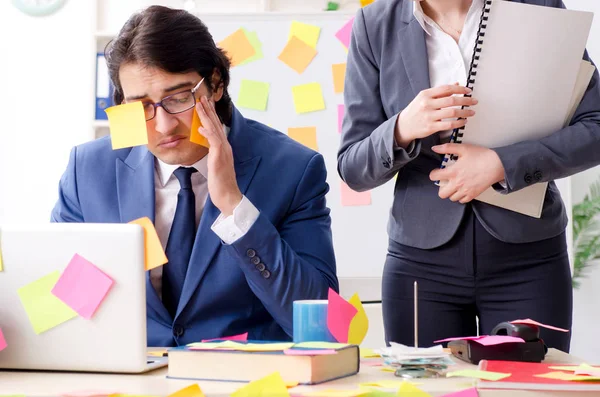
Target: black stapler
x: 533, y: 350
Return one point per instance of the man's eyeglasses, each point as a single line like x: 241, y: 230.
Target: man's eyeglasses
x: 173, y: 104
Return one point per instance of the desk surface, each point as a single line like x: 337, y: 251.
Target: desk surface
x: 155, y: 383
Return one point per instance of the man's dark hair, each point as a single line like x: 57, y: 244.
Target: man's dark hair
x: 174, y: 41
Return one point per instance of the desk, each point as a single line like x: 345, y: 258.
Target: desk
x: 155, y: 383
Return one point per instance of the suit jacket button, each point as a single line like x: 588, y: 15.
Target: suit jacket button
x: 178, y: 331
x: 528, y: 178
x: 265, y: 273
x: 260, y: 267
x: 255, y: 260
x: 537, y: 176
x: 386, y: 164
x: 251, y: 253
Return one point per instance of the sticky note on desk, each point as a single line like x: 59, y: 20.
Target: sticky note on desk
x: 337, y: 393
x: 339, y: 316
x: 237, y: 47
x: 343, y: 35
x: 271, y: 385
x: 190, y: 391
x: 475, y: 373
x: 297, y: 54
x: 529, y: 321
x: 305, y: 32
x: 155, y: 255
x: 308, y: 97
x: 45, y: 311
x: 253, y: 95
x: 305, y: 135
x: 127, y: 124
x: 408, y: 389
x: 338, y: 70
x: 3, y: 343
x: 82, y: 286
x: 471, y: 392
x: 360, y: 322
x: 351, y: 198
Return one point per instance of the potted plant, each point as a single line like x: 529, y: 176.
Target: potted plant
x: 586, y: 233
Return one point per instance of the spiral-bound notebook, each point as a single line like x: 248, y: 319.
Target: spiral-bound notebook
x: 528, y: 76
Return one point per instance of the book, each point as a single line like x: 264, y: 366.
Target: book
x: 528, y: 76
x: 303, y: 365
x: 523, y: 377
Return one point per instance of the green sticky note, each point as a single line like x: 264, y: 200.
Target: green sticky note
x: 45, y: 311
x: 256, y: 44
x: 253, y: 95
x: 474, y: 373
x: 332, y: 6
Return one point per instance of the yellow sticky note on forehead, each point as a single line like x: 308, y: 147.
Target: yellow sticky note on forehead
x: 127, y: 125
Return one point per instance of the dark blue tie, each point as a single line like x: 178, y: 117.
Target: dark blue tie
x: 181, y: 241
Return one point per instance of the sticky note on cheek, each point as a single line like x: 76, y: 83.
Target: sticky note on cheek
x: 195, y: 136
x: 127, y: 125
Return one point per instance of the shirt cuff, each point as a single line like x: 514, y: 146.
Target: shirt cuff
x: 231, y: 228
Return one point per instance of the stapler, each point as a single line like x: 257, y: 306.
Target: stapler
x: 533, y: 350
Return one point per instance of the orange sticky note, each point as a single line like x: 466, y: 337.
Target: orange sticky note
x: 364, y: 3
x: 305, y: 135
x: 237, y: 47
x: 190, y: 391
x: 297, y: 54
x: 195, y: 136
x: 155, y: 255
x: 339, y: 75
x: 127, y: 124
x: 350, y: 198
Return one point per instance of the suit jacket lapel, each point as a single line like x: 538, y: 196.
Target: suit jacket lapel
x: 135, y: 190
x: 207, y: 242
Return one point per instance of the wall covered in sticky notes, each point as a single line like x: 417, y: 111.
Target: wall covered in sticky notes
x: 289, y: 74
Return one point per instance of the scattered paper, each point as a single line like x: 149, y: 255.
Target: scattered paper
x: 253, y: 95
x: 190, y: 391
x: 343, y: 35
x: 359, y: 324
x: 297, y: 54
x: 486, y: 340
x: 195, y: 136
x: 336, y: 393
x: 400, y: 352
x: 339, y: 316
x: 127, y: 124
x: 475, y: 373
x: 341, y: 110
x: 240, y: 338
x: 305, y: 135
x: 82, y: 286
x: 238, y: 47
x: 533, y: 322
x: 308, y: 97
x: 339, y: 75
x: 368, y: 353
x: 472, y: 392
x: 3, y: 343
x: 256, y: 44
x: 309, y: 34
x: 45, y: 311
x: 351, y: 198
x: 271, y: 385
x: 155, y: 255
x: 320, y: 345
x: 308, y: 352
x: 407, y: 389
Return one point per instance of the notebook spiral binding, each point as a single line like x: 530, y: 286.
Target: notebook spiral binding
x: 457, y: 133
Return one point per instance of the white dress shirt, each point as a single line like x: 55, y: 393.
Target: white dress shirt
x: 449, y: 61
x: 166, y: 187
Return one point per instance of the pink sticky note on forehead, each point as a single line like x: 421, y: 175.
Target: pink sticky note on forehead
x: 3, y: 343
x: 533, y: 322
x: 339, y: 316
x: 82, y: 286
x: 344, y: 33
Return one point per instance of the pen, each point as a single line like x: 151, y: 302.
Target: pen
x: 416, y: 317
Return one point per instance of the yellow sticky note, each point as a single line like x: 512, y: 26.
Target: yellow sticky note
x: 574, y: 368
x: 256, y: 44
x: 156, y: 354
x: 127, y: 124
x: 305, y: 32
x: 155, y: 255
x: 271, y: 385
x: 474, y: 373
x: 253, y: 95
x: 308, y: 97
x: 190, y: 391
x: 237, y: 47
x: 408, y: 389
x: 45, y: 311
x: 297, y: 54
x: 339, y: 75
x: 336, y: 393
x: 195, y: 136
x: 556, y: 375
x: 305, y: 135
x: 388, y: 369
x: 264, y: 347
x: 364, y: 3
x: 360, y: 322
x: 368, y: 353
x: 320, y: 345
x: 386, y: 383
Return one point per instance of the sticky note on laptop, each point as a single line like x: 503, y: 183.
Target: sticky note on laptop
x: 127, y: 125
x: 45, y: 311
x: 82, y: 286
x: 155, y: 254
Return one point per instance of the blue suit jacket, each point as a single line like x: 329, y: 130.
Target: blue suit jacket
x: 223, y: 293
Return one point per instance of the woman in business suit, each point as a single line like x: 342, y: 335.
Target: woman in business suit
x: 407, y: 67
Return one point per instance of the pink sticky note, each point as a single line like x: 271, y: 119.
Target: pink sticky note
x: 472, y: 392
x: 339, y: 315
x: 3, y: 343
x: 307, y: 352
x: 341, y: 110
x: 350, y: 198
x: 459, y: 338
x: 498, y: 340
x: 240, y: 338
x: 344, y: 33
x: 371, y: 363
x: 82, y: 286
x: 533, y: 322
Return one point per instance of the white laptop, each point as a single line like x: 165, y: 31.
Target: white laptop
x: 114, y: 338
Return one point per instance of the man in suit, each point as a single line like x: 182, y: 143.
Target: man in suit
x: 472, y: 260
x: 244, y: 223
